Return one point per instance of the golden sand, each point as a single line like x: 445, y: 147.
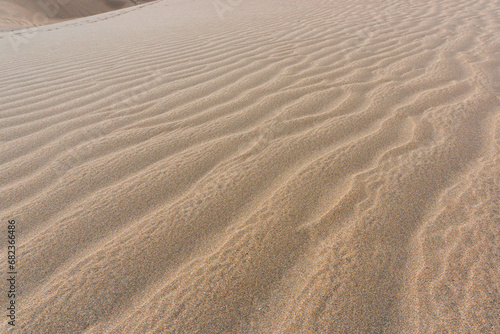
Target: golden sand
x: 264, y: 166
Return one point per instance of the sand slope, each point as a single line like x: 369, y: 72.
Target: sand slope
x: 268, y: 167
x: 29, y: 13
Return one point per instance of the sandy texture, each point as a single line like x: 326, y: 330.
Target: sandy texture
x: 262, y: 166
x: 31, y: 13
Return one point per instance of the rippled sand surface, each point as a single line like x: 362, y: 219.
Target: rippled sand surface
x: 302, y: 166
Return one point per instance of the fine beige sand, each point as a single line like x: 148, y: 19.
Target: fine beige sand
x: 263, y: 166
x: 31, y: 13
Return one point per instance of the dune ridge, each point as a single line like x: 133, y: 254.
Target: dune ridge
x: 31, y: 13
x: 301, y: 167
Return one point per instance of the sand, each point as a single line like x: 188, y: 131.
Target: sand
x: 15, y: 14
x: 264, y: 166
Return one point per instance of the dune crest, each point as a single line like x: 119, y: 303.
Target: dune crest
x: 15, y: 14
x: 256, y: 166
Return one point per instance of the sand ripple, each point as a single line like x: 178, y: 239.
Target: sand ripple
x: 301, y: 167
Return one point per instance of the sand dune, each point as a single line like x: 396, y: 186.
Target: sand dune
x: 307, y: 166
x: 30, y: 13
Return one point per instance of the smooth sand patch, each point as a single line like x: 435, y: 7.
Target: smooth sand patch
x: 16, y: 14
